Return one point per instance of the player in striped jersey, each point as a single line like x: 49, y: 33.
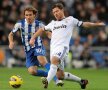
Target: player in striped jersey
x: 34, y: 54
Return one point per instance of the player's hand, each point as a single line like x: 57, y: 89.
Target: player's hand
x: 101, y: 24
x: 32, y: 41
x: 11, y: 45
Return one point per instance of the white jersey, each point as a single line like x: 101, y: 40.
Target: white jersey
x: 62, y: 31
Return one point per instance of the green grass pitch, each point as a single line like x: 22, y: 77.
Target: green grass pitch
x: 98, y: 79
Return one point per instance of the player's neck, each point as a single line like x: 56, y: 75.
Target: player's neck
x: 63, y: 17
x: 30, y: 22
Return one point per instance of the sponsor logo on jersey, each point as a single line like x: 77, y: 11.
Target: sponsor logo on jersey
x: 61, y: 26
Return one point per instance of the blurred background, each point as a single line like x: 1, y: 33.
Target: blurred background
x: 88, y: 47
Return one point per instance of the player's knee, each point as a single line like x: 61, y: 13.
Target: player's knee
x: 32, y: 71
x: 42, y: 60
x: 43, y: 63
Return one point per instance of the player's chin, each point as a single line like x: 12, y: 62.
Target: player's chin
x: 56, y: 17
x: 29, y: 21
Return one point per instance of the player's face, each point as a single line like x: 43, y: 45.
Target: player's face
x: 29, y: 16
x: 58, y: 13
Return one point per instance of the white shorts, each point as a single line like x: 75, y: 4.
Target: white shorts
x: 61, y: 53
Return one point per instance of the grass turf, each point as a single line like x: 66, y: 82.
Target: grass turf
x: 98, y: 79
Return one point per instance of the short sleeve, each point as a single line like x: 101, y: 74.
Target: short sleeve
x: 49, y: 26
x: 16, y: 27
x: 76, y: 22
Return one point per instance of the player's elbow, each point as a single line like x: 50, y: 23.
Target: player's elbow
x: 10, y: 35
x: 41, y: 31
x: 87, y: 24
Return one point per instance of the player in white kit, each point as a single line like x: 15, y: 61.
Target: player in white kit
x: 61, y: 30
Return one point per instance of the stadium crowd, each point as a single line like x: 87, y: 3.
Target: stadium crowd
x: 83, y: 41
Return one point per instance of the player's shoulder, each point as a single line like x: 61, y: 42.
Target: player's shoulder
x: 20, y: 21
x: 52, y: 21
x: 38, y: 21
x: 69, y: 17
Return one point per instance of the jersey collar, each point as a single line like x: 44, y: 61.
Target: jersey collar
x: 61, y: 19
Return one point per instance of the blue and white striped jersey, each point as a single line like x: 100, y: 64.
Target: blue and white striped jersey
x: 27, y: 30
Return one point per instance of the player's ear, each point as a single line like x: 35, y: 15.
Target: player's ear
x: 63, y: 10
x: 36, y: 14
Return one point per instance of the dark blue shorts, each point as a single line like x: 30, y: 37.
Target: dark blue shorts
x: 31, y: 56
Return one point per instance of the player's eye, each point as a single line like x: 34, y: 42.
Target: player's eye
x: 26, y: 15
x: 30, y: 14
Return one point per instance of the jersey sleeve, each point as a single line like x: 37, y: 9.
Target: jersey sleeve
x: 76, y: 22
x: 16, y: 27
x: 48, y: 27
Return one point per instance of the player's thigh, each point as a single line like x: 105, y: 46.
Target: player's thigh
x: 31, y: 60
x: 42, y: 60
x: 58, y: 52
x: 40, y: 53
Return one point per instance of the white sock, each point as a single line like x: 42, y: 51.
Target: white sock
x: 69, y: 76
x: 52, y: 72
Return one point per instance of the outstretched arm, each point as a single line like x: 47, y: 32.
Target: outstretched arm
x: 11, y: 41
x: 38, y: 33
x: 89, y: 24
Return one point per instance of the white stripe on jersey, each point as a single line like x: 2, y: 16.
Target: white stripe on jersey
x: 33, y: 30
x: 26, y: 31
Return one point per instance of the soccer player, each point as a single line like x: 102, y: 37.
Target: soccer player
x: 61, y: 29
x: 34, y: 54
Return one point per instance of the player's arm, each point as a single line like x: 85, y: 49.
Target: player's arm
x: 11, y: 41
x: 90, y: 24
x: 11, y: 35
x: 38, y: 33
x: 48, y: 33
x: 76, y: 22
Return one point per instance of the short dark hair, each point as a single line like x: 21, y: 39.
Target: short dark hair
x: 58, y: 5
x: 31, y: 8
